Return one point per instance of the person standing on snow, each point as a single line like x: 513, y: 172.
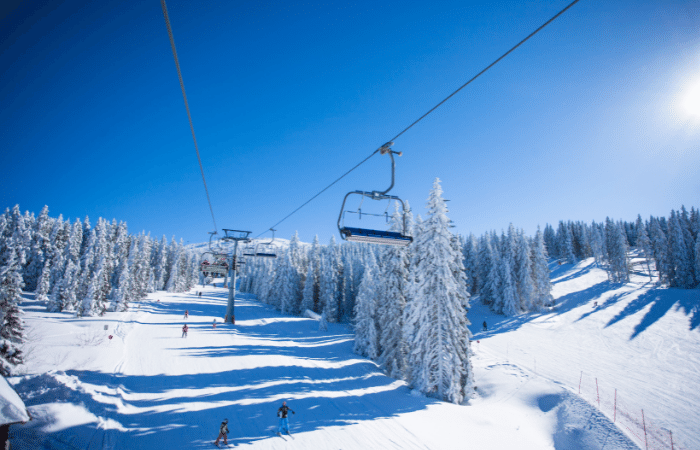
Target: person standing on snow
x: 187, y: 314
x: 223, y: 433
x: 284, y: 421
x: 184, y: 330
x: 485, y: 328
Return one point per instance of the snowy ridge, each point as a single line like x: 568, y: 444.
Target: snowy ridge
x: 148, y: 387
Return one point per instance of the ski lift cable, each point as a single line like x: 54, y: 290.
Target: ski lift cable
x: 187, y: 106
x: 434, y: 107
x: 487, y: 68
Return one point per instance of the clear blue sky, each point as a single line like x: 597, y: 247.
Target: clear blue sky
x: 585, y: 120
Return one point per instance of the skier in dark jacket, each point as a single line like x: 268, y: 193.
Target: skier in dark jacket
x: 184, y: 330
x: 223, y: 433
x: 485, y: 328
x: 284, y: 421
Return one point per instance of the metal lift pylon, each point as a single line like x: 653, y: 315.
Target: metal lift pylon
x: 235, y: 236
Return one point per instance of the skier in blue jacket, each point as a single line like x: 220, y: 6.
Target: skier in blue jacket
x: 284, y: 421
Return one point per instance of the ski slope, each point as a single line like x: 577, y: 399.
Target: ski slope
x: 149, y: 388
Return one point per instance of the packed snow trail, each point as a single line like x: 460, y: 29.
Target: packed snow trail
x: 150, y: 388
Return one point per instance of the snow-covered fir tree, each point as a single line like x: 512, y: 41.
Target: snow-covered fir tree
x: 393, y: 291
x: 616, y: 246
x: 439, y: 358
x: 11, y: 284
x: 366, y: 328
x: 540, y: 273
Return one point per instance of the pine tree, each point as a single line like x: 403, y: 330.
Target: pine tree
x: 471, y: 264
x: 366, y: 330
x: 439, y: 359
x: 616, y: 245
x: 659, y: 245
x: 393, y: 293
x: 11, y: 284
x: 42, y: 290
x: 540, y: 273
x: 680, y: 266
x: 523, y: 274
x: 328, y: 284
x: 643, y: 243
x: 39, y: 249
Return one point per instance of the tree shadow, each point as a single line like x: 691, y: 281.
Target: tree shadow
x: 661, y: 300
x: 315, y: 372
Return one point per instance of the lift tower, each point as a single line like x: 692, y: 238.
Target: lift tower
x: 235, y: 236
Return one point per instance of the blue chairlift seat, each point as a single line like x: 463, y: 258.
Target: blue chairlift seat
x: 375, y: 236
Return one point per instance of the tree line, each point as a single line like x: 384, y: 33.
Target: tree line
x: 669, y: 246
x: 77, y: 268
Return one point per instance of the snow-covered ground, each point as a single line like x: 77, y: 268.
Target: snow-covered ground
x: 149, y: 388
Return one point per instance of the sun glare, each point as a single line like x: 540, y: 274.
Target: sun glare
x: 691, y: 100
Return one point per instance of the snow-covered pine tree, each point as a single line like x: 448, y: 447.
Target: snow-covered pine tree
x: 494, y: 279
x: 120, y: 295
x: 289, y: 295
x: 680, y: 265
x: 644, y: 244
x: 393, y: 293
x: 659, y: 245
x: 11, y: 284
x: 366, y: 330
x: 550, y: 241
x: 616, y: 245
x: 173, y: 271
x: 511, y: 304
x: 540, y: 273
x: 44, y: 285
x: 160, y: 264
x: 439, y: 357
x: 697, y: 260
x: 523, y: 274
x: 311, y: 284
x: 328, y: 283
x: 485, y: 262
x: 471, y: 264
x: 597, y: 244
x: 568, y: 246
x: 347, y: 284
x: 39, y: 249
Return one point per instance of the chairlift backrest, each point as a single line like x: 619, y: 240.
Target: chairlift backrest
x: 355, y: 234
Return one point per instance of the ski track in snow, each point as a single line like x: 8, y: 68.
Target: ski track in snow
x: 150, y: 388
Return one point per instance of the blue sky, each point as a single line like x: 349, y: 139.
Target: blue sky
x: 585, y: 120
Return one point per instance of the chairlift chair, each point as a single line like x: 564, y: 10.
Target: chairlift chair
x: 356, y: 234
x: 214, y: 263
x: 266, y: 249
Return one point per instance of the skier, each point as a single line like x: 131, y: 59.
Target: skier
x: 187, y: 314
x: 284, y: 422
x: 184, y: 330
x: 485, y: 327
x: 223, y: 432
x: 200, y: 293
x: 213, y: 325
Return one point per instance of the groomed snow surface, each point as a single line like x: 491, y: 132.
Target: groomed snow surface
x: 150, y: 388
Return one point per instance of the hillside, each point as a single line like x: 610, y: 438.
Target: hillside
x: 148, y: 387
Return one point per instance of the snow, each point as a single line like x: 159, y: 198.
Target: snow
x: 148, y: 387
x: 12, y: 407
